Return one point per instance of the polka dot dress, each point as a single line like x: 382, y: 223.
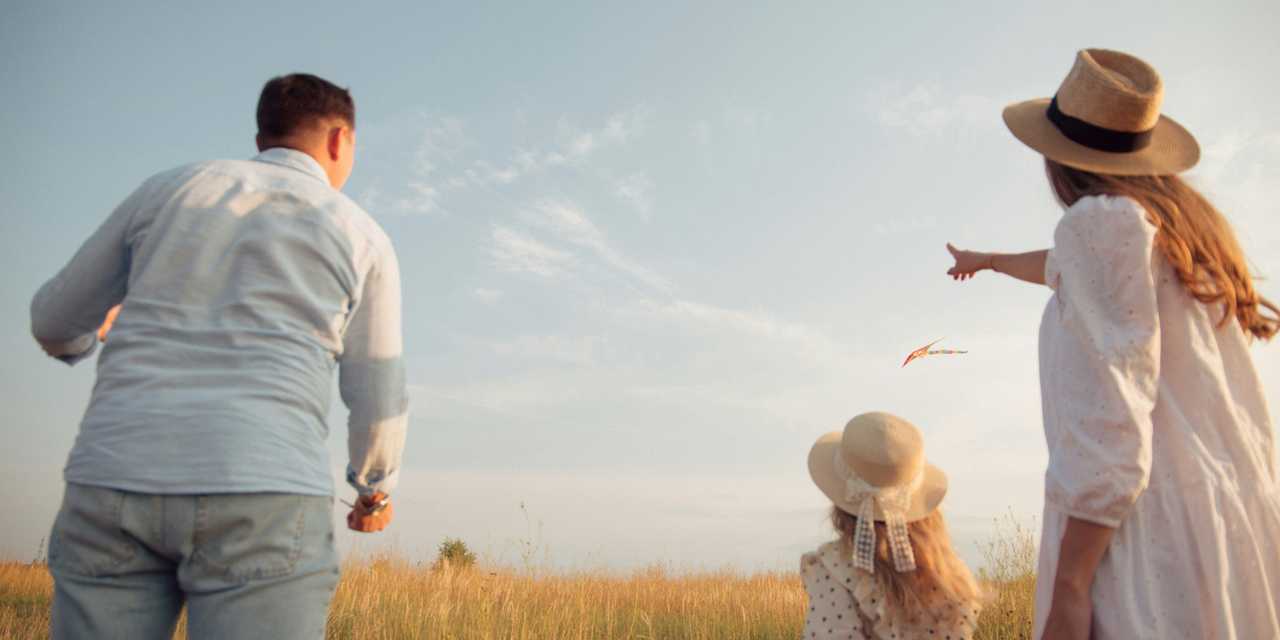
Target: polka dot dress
x: 847, y: 603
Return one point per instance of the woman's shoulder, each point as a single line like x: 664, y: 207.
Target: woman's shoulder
x: 1103, y: 224
x: 1105, y: 211
x: 826, y: 554
x: 819, y: 558
x: 830, y: 566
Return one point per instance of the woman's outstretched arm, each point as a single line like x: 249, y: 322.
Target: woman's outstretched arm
x: 1028, y: 267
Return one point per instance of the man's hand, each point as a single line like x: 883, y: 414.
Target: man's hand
x: 370, y: 513
x: 967, y: 263
x: 107, y: 323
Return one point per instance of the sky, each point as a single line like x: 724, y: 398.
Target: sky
x: 651, y: 251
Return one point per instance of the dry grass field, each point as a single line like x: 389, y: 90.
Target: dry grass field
x: 385, y: 597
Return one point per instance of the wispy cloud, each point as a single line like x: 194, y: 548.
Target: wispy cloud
x: 582, y: 351
x: 795, y: 338
x: 574, y: 243
x: 635, y: 189
x: 570, y: 244
x: 516, y: 397
x: 441, y: 141
x: 571, y: 225
x: 421, y: 197
x: 930, y: 110
x: 445, y: 161
x: 1238, y: 171
x: 733, y: 121
x: 543, y: 230
x: 515, y: 252
x: 575, y: 145
x: 618, y: 129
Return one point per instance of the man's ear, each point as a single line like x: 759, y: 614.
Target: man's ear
x: 333, y: 142
x: 258, y: 140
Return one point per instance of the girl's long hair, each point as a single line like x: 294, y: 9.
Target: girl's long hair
x: 941, y: 586
x: 1194, y: 238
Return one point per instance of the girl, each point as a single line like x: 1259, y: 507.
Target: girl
x: 1161, y: 498
x: 891, y: 573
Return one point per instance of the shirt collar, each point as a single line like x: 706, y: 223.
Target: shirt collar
x: 293, y: 159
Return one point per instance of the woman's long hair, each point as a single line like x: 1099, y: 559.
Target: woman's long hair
x: 1194, y: 238
x: 939, y: 588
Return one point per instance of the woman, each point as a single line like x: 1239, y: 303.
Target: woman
x: 1161, y: 499
x: 892, y: 572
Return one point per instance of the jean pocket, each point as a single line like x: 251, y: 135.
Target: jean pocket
x: 243, y: 537
x: 88, y: 536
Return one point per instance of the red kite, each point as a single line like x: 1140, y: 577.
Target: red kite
x: 924, y: 351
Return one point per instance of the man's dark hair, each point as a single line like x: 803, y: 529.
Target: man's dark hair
x: 299, y: 99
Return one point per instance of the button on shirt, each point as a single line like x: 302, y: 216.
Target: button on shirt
x: 244, y: 284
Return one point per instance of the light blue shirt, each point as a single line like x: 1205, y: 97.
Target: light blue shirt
x: 244, y: 284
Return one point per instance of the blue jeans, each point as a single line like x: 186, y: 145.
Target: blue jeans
x: 247, y: 565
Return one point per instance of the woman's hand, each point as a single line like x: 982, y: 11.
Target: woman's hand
x: 1070, y: 615
x: 967, y: 263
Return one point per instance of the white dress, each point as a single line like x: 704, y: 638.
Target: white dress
x: 1156, y: 424
x: 846, y: 603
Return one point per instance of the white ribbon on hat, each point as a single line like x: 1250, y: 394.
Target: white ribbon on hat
x: 893, y: 502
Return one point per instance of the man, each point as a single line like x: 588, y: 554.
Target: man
x: 200, y: 473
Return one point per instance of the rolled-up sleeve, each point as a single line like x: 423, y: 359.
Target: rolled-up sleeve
x: 1102, y: 266
x: 371, y: 379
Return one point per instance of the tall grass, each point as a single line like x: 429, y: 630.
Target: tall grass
x: 1009, y: 575
x: 388, y: 597
x: 25, y: 590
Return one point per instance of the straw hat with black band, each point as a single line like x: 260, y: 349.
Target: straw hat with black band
x: 1106, y: 119
x: 875, y: 469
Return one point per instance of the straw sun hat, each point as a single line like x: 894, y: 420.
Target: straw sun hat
x: 875, y: 470
x: 1106, y: 118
